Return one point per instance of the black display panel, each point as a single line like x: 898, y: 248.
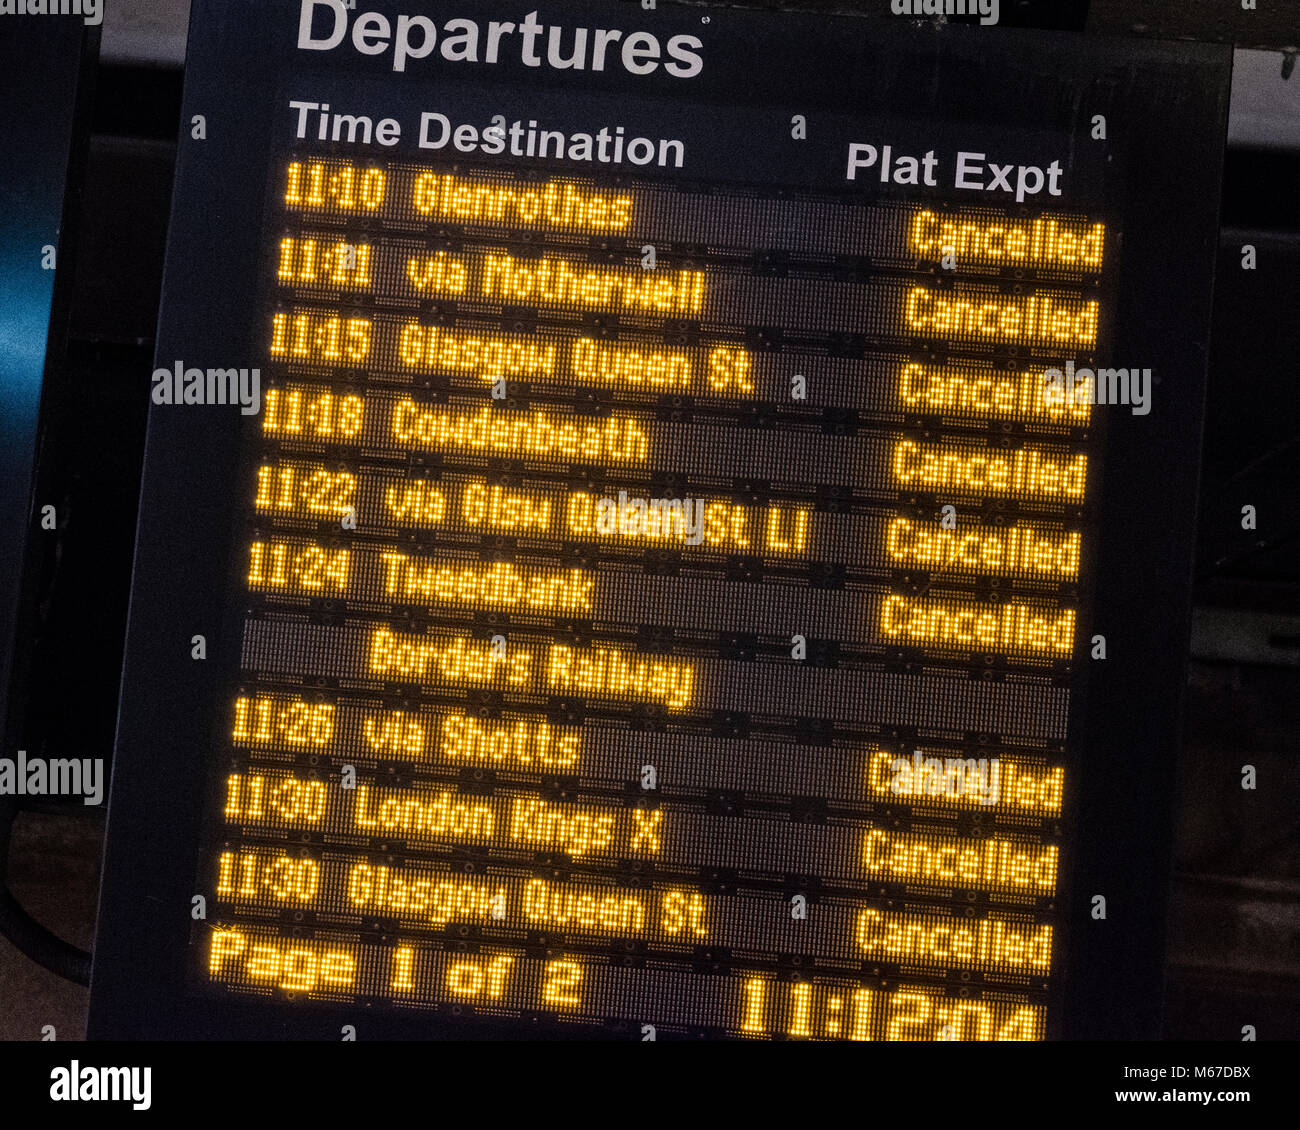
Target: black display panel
x: 627, y: 548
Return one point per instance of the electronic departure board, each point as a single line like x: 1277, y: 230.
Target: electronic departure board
x: 661, y: 523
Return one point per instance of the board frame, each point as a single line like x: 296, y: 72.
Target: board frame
x: 1169, y: 103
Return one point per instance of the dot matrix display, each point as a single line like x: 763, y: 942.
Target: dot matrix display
x: 488, y: 616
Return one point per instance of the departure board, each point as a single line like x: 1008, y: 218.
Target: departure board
x: 655, y: 527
